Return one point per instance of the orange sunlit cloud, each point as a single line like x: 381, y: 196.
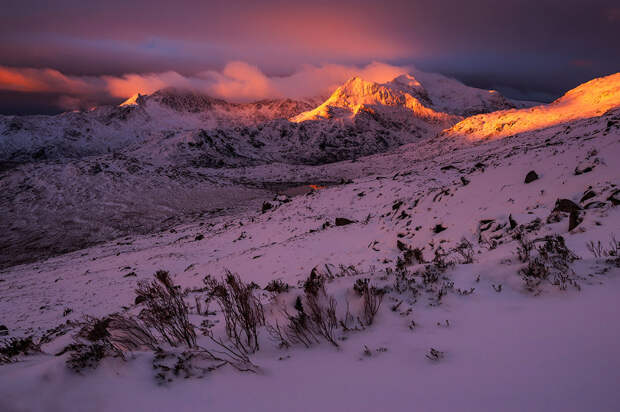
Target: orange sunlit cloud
x: 237, y: 81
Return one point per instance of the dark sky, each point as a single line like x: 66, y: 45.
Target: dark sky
x: 61, y: 54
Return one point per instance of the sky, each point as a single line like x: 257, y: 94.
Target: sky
x: 68, y: 54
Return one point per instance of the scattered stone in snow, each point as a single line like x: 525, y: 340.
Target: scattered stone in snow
x: 566, y: 205
x: 531, y: 176
x: 342, y: 221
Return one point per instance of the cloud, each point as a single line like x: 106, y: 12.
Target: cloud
x: 237, y: 82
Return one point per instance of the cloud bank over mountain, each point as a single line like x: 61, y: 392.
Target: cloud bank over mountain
x: 237, y: 82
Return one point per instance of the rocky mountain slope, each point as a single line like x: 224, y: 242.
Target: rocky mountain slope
x: 199, y: 129
x: 497, y: 287
x: 157, y: 162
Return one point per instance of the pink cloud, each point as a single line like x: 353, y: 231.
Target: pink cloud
x: 237, y: 81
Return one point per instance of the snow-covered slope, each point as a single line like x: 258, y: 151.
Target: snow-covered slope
x: 588, y: 100
x: 451, y: 96
x: 472, y: 333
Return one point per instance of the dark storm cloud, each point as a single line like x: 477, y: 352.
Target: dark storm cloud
x: 536, y: 49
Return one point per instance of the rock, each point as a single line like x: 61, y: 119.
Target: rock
x: 266, y: 206
x: 342, y: 221
x: 4, y: 330
x: 439, y: 228
x: 199, y: 236
x: 464, y: 181
x: 589, y: 194
x: 513, y: 223
x: 613, y: 199
x: 594, y: 205
x: 574, y: 220
x: 586, y: 169
x: 139, y: 299
x: 566, y: 205
x: 531, y: 176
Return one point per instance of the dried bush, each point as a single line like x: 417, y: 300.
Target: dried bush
x: 298, y: 328
x: 466, y: 250
x: 11, y: 348
x: 165, y: 310
x: 439, y: 260
x: 277, y: 286
x: 552, y: 263
x: 189, y: 364
x: 243, y: 312
x: 314, y: 317
x: 114, y: 335
x: 598, y: 250
x: 372, y: 298
x: 85, y: 356
x: 322, y: 314
x: 525, y: 247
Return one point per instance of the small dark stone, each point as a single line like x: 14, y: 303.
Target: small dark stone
x: 464, y: 181
x: 139, y: 299
x: 199, y: 237
x: 341, y: 221
x: 4, y: 330
x: 531, y: 176
x: 130, y: 274
x: 565, y: 205
x: 439, y: 228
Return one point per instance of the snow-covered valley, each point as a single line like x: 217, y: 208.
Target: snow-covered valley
x: 478, y: 237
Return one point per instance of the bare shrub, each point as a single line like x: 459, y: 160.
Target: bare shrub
x: 466, y: 250
x: 598, y: 250
x: 277, y: 286
x: 372, y: 298
x: 243, y: 312
x: 322, y: 314
x: 552, y: 264
x: 11, y: 348
x: 314, y: 317
x: 299, y: 328
x: 114, y: 335
x: 127, y: 334
x: 525, y: 247
x: 165, y: 311
x: 439, y: 260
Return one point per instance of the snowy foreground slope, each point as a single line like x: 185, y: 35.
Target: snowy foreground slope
x: 488, y: 328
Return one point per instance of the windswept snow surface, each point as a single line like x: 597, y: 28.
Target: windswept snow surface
x: 501, y: 347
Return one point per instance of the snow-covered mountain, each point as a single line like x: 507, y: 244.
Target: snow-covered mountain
x: 494, y: 262
x: 359, y: 118
x: 591, y: 99
x: 83, y: 177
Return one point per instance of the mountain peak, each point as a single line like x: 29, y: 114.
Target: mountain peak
x: 357, y: 96
x: 133, y: 100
